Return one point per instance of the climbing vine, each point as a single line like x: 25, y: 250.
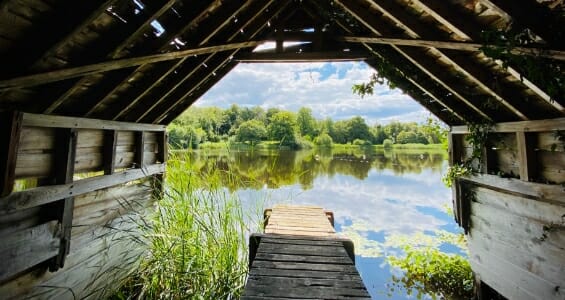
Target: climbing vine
x: 536, y: 67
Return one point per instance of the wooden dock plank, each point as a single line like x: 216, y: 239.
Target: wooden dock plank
x: 300, y: 256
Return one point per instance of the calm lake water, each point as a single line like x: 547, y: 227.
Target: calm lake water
x: 376, y: 196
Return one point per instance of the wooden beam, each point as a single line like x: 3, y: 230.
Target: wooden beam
x: 416, y: 28
x: 453, y: 45
x: 524, y: 126
x: 417, y: 58
x: 451, y: 16
x: 71, y: 122
x: 220, y: 20
x: 254, y: 24
x: 109, y: 151
x: 322, y: 56
x: 58, y: 75
x: 548, y: 192
x: 139, y: 149
x: 65, y: 153
x: 48, y: 194
x: 525, y: 142
x: 87, y: 80
x: 10, y: 129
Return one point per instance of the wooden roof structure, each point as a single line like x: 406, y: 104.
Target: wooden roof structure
x: 147, y: 61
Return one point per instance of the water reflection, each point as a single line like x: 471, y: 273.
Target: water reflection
x: 375, y: 195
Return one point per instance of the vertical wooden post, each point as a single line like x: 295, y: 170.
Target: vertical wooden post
x: 280, y: 40
x: 139, y: 149
x: 10, y: 129
x: 453, y: 150
x: 525, y: 143
x: 158, y: 180
x: 109, y: 152
x: 65, y: 153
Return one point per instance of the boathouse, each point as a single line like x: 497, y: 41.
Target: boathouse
x: 87, y: 89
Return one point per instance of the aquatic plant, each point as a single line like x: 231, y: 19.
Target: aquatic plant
x: 195, y: 239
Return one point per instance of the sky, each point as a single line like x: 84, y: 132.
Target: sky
x: 323, y: 87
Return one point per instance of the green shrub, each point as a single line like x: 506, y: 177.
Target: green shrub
x: 387, y: 144
x: 323, y: 140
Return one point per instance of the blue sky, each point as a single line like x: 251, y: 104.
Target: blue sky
x: 323, y: 87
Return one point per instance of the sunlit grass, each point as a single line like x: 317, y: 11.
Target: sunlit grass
x: 196, y: 240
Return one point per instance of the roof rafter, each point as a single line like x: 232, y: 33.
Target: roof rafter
x: 416, y: 28
x: 451, y: 17
x: 438, y: 106
x: 415, y: 56
x: 253, y: 25
x: 217, y: 20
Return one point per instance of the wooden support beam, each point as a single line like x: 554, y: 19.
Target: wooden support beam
x: 139, y: 149
x: 453, y: 17
x: 49, y: 194
x: 177, y: 72
x: 452, y: 45
x: 58, y: 75
x: 109, y: 151
x: 71, y: 122
x: 322, y: 56
x: 141, y: 48
x: 525, y: 126
x: 525, y: 142
x: 255, y: 23
x: 10, y: 129
x: 417, y: 58
x: 65, y: 153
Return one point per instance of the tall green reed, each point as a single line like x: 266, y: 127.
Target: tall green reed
x: 196, y: 239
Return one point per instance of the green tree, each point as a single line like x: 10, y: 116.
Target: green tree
x: 184, y: 137
x: 282, y: 128
x: 251, y: 131
x: 378, y: 134
x: 323, y: 140
x: 340, y: 132
x: 306, y: 122
x: 357, y: 129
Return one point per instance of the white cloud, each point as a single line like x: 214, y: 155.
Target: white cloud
x: 324, y: 87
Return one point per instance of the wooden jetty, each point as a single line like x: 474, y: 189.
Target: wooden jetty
x: 300, y: 256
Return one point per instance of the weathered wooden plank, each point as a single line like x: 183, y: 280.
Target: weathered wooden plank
x: 551, y: 271
x: 47, y: 194
x: 58, y: 75
x: 70, y: 122
x: 306, y: 292
x: 515, y: 186
x: 524, y: 126
x: 10, y: 129
x: 277, y: 272
x: 28, y: 247
x: 139, y: 149
x: 302, y: 241
x: 537, y: 209
x: 109, y: 152
x: 301, y: 249
x: 525, y: 143
x: 529, y: 282
x: 347, y: 269
x: 291, y: 283
x: 336, y: 260
x: 36, y: 138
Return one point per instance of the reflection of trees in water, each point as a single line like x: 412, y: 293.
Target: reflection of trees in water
x: 280, y: 168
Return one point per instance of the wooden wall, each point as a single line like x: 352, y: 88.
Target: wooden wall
x: 514, y: 211
x: 72, y: 191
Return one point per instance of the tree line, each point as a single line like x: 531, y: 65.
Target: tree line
x: 301, y: 129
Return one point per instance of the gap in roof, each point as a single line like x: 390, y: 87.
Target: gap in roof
x: 323, y: 87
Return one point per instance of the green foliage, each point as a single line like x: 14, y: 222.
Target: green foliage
x: 387, y: 144
x: 196, y: 240
x: 430, y: 271
x: 184, y: 137
x: 306, y: 122
x: 323, y: 140
x: 454, y: 172
x: 546, y: 73
x: 359, y: 142
x: 251, y: 131
x: 282, y: 128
